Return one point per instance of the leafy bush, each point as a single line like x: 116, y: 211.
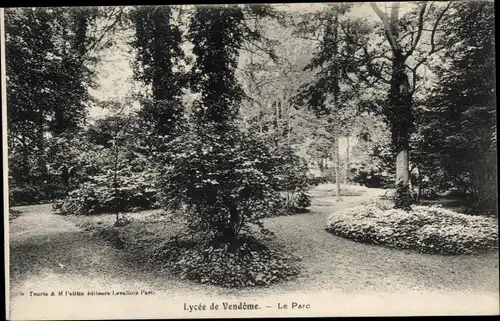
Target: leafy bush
x: 428, y: 229
x: 303, y: 200
x: 317, y: 180
x: 245, y: 262
x: 68, y: 160
x: 222, y: 180
x: 96, y: 197
x: 36, y: 193
x: 118, y: 175
x: 290, y: 173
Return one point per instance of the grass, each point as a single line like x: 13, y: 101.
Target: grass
x: 350, y: 274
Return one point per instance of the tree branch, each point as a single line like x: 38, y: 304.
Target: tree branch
x: 108, y: 29
x: 419, y: 30
x: 436, y: 23
x: 387, y: 26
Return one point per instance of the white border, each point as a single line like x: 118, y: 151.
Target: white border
x: 5, y: 166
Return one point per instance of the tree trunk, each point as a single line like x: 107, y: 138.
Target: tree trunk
x: 346, y: 167
x: 337, y: 168
x: 336, y: 101
x: 401, y: 114
x: 420, y: 190
x: 399, y: 109
x: 289, y: 131
x: 231, y: 233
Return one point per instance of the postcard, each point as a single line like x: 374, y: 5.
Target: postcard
x: 250, y: 160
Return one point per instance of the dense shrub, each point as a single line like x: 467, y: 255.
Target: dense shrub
x: 96, y: 197
x: 245, y: 262
x: 220, y: 179
x: 118, y: 175
x: 222, y: 182
x: 36, y: 193
x: 317, y: 180
x: 428, y: 229
x: 303, y: 200
x: 68, y: 161
x: 291, y: 177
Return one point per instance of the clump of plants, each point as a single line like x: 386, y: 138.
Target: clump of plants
x: 244, y: 262
x: 119, y: 174
x: 427, y: 229
x: 223, y: 184
x: 98, y: 196
x: 290, y: 179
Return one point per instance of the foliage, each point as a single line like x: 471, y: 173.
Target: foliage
x: 223, y: 179
x: 459, y: 135
x: 244, y: 263
x: 403, y: 203
x: 217, y: 35
x: 48, y: 43
x: 157, y: 41
x: 428, y: 229
x: 70, y: 159
x: 117, y: 177
x: 98, y: 196
x: 290, y: 176
x: 49, y: 74
x: 376, y: 170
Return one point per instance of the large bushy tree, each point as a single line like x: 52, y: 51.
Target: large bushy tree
x: 221, y: 176
x: 460, y: 129
x: 49, y: 71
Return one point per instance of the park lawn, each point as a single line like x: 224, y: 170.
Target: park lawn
x: 328, y: 262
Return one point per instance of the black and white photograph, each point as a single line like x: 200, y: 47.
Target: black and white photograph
x: 323, y: 159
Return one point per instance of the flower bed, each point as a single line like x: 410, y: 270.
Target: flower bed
x: 427, y: 229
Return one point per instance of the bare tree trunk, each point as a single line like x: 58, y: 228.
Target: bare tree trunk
x: 346, y: 167
x: 115, y: 179
x: 337, y: 168
x: 289, y: 132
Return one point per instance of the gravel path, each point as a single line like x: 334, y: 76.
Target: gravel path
x: 50, y: 253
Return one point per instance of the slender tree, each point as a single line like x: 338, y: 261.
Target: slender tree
x: 334, y: 59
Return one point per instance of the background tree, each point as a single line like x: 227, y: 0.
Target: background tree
x: 159, y: 65
x: 404, y: 33
x: 459, y: 136
x: 330, y: 93
x: 54, y: 52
